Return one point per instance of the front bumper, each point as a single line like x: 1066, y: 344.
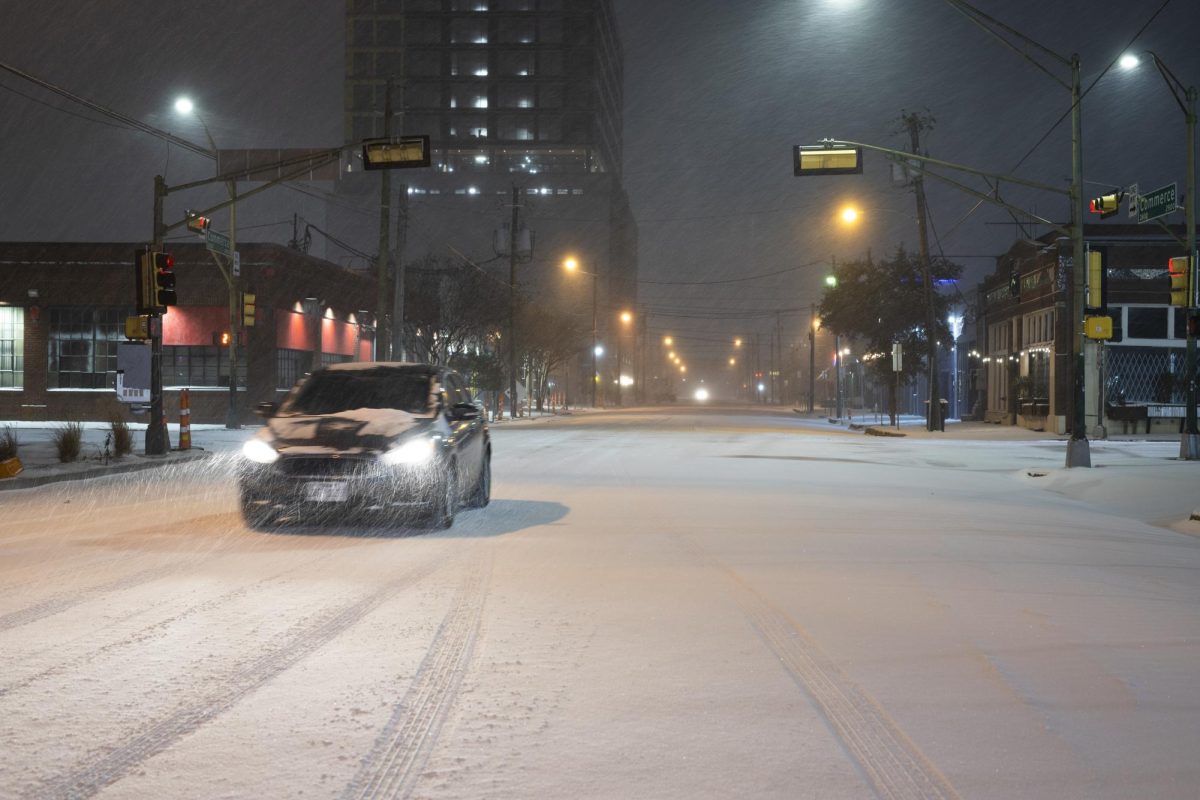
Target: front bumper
x: 311, y: 485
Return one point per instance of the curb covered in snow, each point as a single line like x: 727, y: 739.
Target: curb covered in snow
x: 25, y: 480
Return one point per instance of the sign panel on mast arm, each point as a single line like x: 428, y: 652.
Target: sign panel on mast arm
x: 218, y: 243
x: 1132, y: 195
x: 1158, y: 203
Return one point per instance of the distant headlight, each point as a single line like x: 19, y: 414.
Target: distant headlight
x: 259, y: 451
x: 414, y: 451
x: 702, y: 395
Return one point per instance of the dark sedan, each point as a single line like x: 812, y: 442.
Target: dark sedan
x: 378, y: 437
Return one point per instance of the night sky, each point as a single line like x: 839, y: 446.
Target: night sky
x: 716, y: 94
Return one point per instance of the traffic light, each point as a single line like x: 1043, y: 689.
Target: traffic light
x: 197, y: 223
x: 399, y: 153
x: 143, y: 267
x: 1108, y: 204
x: 164, y: 280
x: 1097, y: 284
x: 1179, y: 269
x: 247, y: 308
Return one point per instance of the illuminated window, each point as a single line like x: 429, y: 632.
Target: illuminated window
x: 82, y: 346
x: 12, y: 347
x: 187, y: 366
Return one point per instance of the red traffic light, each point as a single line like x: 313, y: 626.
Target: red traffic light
x: 164, y: 279
x: 1106, y: 205
x: 197, y: 223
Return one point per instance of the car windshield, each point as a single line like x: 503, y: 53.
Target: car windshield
x: 334, y: 391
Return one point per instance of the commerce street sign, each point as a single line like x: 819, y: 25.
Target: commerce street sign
x: 218, y: 243
x: 1158, y: 203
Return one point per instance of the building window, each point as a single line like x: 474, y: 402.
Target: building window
x: 82, y: 347
x: 468, y: 31
x: 191, y: 366
x: 516, y: 63
x: 290, y: 366
x: 469, y: 64
x: 1147, y: 323
x: 12, y: 347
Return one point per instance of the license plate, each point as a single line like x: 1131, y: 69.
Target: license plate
x: 325, y: 492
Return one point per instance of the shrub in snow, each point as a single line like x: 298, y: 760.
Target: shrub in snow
x: 68, y: 440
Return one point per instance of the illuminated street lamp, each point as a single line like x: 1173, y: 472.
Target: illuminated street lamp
x: 626, y: 317
x: 849, y: 214
x: 571, y: 264
x: 668, y: 341
x: 1189, y: 443
x: 185, y: 107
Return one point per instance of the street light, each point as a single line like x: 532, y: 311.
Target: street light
x: 668, y: 341
x: 1078, y: 448
x: 185, y: 107
x: 955, y: 322
x: 570, y: 264
x: 626, y: 317
x: 1189, y: 442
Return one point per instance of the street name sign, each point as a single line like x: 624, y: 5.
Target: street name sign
x: 218, y: 243
x: 1158, y: 203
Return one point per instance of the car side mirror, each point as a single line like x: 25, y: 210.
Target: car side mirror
x: 464, y: 411
x: 266, y: 409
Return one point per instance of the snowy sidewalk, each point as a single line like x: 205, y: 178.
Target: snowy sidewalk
x: 39, y: 456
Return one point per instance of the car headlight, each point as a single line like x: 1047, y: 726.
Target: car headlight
x: 414, y: 451
x: 259, y: 451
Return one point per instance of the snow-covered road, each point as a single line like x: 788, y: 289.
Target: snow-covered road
x: 666, y: 603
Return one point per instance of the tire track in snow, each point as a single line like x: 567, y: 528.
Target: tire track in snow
x: 156, y: 737
x: 890, y: 761
x: 62, y: 602
x: 402, y: 748
x: 147, y: 632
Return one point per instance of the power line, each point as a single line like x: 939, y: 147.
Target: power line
x: 108, y: 112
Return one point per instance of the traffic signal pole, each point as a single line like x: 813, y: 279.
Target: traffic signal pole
x: 1189, y: 443
x: 933, y: 418
x: 156, y: 433
x: 1079, y: 453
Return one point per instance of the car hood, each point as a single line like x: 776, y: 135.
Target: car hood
x: 363, y: 430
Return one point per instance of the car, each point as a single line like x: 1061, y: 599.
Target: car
x: 390, y: 438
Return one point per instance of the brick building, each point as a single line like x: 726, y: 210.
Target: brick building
x: 1137, y: 377
x: 63, y: 308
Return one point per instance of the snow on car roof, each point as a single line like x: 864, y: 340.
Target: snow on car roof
x: 350, y: 366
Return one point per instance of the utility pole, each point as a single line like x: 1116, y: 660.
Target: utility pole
x: 915, y: 123
x: 1189, y: 448
x: 837, y: 374
x: 512, y: 303
x: 232, y: 420
x: 812, y: 358
x: 156, y: 434
x: 383, y: 330
x: 777, y: 377
x: 398, y: 353
x: 1079, y: 452
x: 641, y: 392
x: 595, y: 373
x: 758, y: 369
